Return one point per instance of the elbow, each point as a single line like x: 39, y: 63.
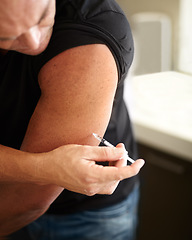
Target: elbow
x: 43, y: 198
x: 13, y: 221
x: 30, y: 204
x: 37, y: 207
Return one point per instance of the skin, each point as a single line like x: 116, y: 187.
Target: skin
x: 55, y: 154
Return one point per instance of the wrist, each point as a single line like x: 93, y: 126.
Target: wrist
x: 37, y: 168
x: 20, y: 166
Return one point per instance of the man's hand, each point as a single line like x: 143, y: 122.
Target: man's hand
x: 74, y: 167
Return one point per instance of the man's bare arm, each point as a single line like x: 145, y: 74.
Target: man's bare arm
x: 78, y: 88
x: 21, y: 169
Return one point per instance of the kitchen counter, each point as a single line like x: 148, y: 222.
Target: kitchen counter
x: 161, y: 111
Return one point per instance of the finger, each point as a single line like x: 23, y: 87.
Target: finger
x: 103, y: 153
x: 134, y: 169
x: 122, y: 161
x: 121, y: 145
x: 119, y: 173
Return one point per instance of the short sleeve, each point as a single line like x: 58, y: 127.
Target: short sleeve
x: 76, y: 26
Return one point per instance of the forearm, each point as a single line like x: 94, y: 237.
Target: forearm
x: 23, y: 199
x: 17, y: 166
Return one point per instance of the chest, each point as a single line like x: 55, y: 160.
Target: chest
x: 19, y: 94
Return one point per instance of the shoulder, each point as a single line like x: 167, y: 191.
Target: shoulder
x: 80, y: 23
x: 79, y: 66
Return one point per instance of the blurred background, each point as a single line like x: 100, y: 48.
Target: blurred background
x: 158, y: 93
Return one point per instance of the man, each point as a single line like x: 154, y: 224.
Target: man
x: 59, y: 97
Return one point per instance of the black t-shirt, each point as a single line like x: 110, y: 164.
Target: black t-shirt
x: 77, y: 22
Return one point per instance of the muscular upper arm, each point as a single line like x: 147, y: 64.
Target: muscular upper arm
x: 78, y: 88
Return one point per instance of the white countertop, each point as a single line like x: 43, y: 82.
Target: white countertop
x: 161, y: 111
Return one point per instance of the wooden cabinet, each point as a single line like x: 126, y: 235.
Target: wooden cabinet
x: 166, y: 197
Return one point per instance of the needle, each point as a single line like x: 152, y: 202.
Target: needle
x: 108, y: 144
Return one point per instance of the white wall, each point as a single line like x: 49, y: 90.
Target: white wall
x: 167, y: 7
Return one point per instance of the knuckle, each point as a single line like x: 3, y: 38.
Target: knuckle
x: 84, y: 150
x: 90, y: 194
x: 90, y: 191
x: 89, y: 183
x: 106, y: 152
x: 87, y: 180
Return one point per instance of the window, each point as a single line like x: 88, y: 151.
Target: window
x: 185, y: 37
